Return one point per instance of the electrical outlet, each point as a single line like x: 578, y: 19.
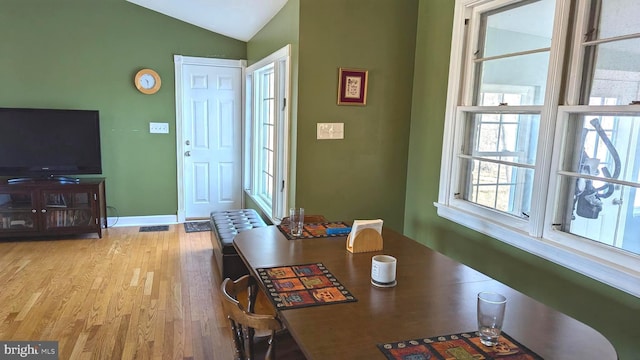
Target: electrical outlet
x: 330, y: 131
x: 158, y: 128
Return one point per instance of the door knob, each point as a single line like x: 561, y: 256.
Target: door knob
x: 187, y: 142
x: 187, y: 153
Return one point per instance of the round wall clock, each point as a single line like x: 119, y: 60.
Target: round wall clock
x: 147, y: 81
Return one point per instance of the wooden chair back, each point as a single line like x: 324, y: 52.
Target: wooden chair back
x: 245, y: 323
x: 308, y: 219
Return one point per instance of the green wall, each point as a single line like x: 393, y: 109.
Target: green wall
x: 280, y: 31
x: 615, y: 314
x: 83, y: 55
x: 364, y: 175
x: 347, y: 179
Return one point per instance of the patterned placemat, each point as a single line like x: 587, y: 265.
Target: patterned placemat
x: 305, y: 285
x: 313, y: 230
x: 458, y: 346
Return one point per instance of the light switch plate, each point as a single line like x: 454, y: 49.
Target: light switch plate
x: 330, y: 131
x: 158, y: 128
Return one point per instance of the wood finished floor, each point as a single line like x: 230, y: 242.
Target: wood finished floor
x: 129, y: 295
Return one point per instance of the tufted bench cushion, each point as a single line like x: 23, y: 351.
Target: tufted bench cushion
x: 225, y: 225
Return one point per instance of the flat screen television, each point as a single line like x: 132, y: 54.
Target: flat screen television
x: 49, y: 143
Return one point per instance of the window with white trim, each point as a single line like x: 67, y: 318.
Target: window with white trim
x: 266, y: 133
x: 541, y: 146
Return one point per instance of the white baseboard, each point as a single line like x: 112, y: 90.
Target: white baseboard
x: 142, y: 220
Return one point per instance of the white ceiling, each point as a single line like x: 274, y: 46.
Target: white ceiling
x: 238, y: 19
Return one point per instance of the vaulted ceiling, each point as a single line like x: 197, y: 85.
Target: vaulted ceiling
x: 238, y: 19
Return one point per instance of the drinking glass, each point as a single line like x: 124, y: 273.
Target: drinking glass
x: 296, y: 221
x: 491, y: 308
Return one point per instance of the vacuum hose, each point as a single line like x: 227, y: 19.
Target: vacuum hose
x: 588, y: 200
x: 614, y: 154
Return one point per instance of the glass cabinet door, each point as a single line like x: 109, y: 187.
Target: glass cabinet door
x: 67, y: 209
x: 17, y: 211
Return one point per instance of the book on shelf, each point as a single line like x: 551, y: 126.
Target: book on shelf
x: 56, y: 200
x: 359, y: 225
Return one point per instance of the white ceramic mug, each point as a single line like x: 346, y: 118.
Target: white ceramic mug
x: 383, y: 270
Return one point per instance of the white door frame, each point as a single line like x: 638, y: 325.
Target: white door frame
x: 179, y: 61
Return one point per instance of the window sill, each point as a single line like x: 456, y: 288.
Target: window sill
x: 264, y: 208
x: 612, y: 274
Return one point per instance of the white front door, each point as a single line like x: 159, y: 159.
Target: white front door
x: 210, y: 140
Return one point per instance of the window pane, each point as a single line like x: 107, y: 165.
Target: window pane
x: 270, y: 92
x: 498, y: 186
x: 618, y: 17
x: 523, y: 28
x: 270, y: 139
x: 265, y: 146
x: 269, y: 185
x: 605, y: 147
x: 269, y: 168
x: 613, y: 220
x: 524, y: 77
x: 506, y: 137
x: 616, y: 73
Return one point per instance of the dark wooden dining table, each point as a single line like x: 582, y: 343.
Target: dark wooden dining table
x: 435, y: 295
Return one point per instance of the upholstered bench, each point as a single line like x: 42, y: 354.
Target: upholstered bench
x: 225, y: 225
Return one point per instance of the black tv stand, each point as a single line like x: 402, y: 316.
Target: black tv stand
x: 54, y: 178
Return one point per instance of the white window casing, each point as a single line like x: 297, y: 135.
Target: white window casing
x: 273, y: 201
x: 537, y: 231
